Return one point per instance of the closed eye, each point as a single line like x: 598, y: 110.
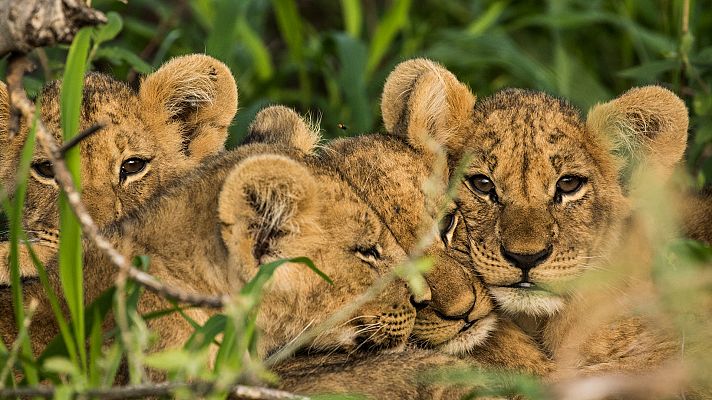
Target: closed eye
x: 369, y: 254
x: 447, y: 227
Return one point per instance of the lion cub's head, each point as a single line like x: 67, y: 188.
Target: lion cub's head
x: 178, y: 117
x: 273, y: 207
x: 545, y: 193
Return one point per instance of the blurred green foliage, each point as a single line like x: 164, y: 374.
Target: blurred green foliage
x: 330, y: 58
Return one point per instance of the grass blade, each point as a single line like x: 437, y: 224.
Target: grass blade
x: 70, y: 243
x: 353, y: 17
x: 394, y: 20
x: 15, y: 215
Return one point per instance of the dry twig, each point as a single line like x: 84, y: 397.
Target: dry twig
x: 153, y: 390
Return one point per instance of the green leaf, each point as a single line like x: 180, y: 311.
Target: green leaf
x: 118, y: 55
x: 255, y: 285
x: 260, y: 55
x: 70, y: 243
x: 109, y: 30
x: 205, y: 335
x: 290, y: 25
x: 15, y: 214
x: 352, y: 79
x: 649, y: 71
x: 353, y: 17
x: 99, y: 308
x: 488, y: 18
x: 59, y: 365
x: 221, y: 40
x: 395, y: 19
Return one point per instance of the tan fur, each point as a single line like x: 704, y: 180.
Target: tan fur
x: 178, y: 119
x: 381, y: 376
x: 268, y: 204
x: 524, y: 142
x: 408, y: 98
x: 697, y: 216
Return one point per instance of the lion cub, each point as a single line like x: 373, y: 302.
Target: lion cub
x: 547, y: 197
x: 210, y: 232
x: 178, y: 118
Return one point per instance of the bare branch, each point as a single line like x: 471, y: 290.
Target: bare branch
x: 154, y: 390
x: 27, y: 24
x: 79, y: 137
x: 16, y: 67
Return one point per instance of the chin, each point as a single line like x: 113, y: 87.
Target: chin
x: 475, y: 336
x: 532, y: 302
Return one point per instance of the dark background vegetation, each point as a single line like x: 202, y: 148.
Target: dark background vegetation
x: 330, y: 58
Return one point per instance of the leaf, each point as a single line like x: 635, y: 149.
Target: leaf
x: 109, y: 30
x: 205, y: 335
x: 649, y: 71
x: 100, y: 307
x: 352, y: 80
x: 119, y: 54
x: 290, y: 25
x: 353, y: 17
x: 70, y: 242
x: 59, y: 365
x: 488, y: 18
x: 395, y: 19
x: 255, y: 285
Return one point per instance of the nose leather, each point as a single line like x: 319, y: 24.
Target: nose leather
x: 526, y: 262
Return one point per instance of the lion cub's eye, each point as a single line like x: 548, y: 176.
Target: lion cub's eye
x: 483, y: 185
x: 567, y: 185
x: 369, y: 254
x: 447, y: 227
x: 44, y: 169
x: 132, y: 166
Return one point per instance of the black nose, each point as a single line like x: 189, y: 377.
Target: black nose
x: 526, y: 262
x: 419, y: 305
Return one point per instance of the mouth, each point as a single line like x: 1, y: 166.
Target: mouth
x: 523, y: 285
x: 467, y: 326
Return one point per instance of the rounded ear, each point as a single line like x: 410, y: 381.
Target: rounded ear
x: 646, y: 125
x: 281, y: 125
x: 264, y: 201
x: 422, y: 101
x: 198, y: 92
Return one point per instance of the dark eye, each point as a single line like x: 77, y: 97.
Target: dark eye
x: 132, y: 166
x: 568, y: 184
x: 43, y: 169
x: 483, y: 185
x: 370, y: 254
x: 447, y: 227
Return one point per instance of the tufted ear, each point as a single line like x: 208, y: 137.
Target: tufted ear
x: 265, y: 201
x: 423, y: 101
x: 283, y: 126
x: 199, y: 93
x: 645, y: 126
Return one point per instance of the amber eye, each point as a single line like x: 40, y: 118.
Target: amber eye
x: 447, y: 227
x: 132, y: 166
x: 483, y: 185
x: 568, y: 184
x: 43, y: 169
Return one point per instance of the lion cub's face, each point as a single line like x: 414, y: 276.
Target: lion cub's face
x: 541, y: 198
x: 179, y: 116
x: 271, y: 208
